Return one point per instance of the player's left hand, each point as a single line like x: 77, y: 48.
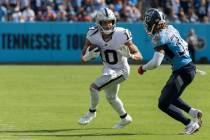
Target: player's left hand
x: 141, y: 70
x: 124, y: 51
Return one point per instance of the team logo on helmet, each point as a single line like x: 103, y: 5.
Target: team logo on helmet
x: 152, y: 18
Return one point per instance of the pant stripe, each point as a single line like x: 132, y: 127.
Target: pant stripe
x: 111, y: 81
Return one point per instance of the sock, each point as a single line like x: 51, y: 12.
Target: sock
x: 118, y: 106
x: 193, y: 112
x: 175, y: 113
x: 92, y: 111
x: 123, y: 116
x: 94, y: 99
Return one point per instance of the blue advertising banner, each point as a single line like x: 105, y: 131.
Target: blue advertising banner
x: 63, y: 42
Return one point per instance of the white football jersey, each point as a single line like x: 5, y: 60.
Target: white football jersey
x: 114, y: 62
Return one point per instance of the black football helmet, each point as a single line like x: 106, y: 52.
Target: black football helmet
x: 152, y: 18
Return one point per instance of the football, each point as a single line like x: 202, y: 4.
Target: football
x: 93, y: 47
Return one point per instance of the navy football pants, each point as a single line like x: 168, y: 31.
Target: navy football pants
x: 169, y: 100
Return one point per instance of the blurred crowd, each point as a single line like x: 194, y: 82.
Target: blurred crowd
x: 178, y: 11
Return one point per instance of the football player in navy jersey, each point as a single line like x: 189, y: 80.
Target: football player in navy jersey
x: 168, y: 43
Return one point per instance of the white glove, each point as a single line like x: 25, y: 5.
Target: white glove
x: 90, y: 54
x: 124, y: 51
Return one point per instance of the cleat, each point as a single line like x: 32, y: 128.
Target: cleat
x: 198, y: 117
x: 87, y: 118
x: 192, y: 128
x: 125, y: 121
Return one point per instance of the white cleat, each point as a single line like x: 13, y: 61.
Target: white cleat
x: 192, y: 128
x: 197, y: 117
x: 87, y: 118
x: 125, y: 121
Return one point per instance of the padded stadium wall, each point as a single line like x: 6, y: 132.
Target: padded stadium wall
x: 46, y: 42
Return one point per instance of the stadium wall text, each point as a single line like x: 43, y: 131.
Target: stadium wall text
x: 62, y: 42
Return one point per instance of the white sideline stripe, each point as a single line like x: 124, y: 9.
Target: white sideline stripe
x: 201, y: 72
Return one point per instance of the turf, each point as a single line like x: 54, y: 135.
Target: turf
x: 45, y: 103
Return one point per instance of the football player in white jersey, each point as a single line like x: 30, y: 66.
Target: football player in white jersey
x: 115, y: 46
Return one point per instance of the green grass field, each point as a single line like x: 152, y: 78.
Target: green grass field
x: 45, y: 103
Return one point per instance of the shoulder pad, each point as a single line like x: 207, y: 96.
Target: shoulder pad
x: 92, y: 31
x: 125, y: 34
x: 159, y: 39
x: 93, y: 28
x: 156, y: 39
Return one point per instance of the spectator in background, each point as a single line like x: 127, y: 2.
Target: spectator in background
x: 171, y: 17
x: 87, y: 11
x: 61, y: 13
x: 14, y: 13
x: 170, y: 8
x: 205, y: 19
x: 182, y: 17
x: 134, y: 14
x: 178, y: 11
x: 71, y: 13
x: 28, y: 14
x: 39, y: 16
x: 50, y: 14
x: 118, y: 4
x: 111, y: 7
x: 146, y: 4
x: 133, y: 2
x: 3, y: 11
x: 76, y: 4
x: 192, y: 17
x: 83, y: 15
x: 202, y: 10
x: 100, y: 4
x: 175, y: 6
x: 192, y: 41
x: 209, y: 9
x: 123, y: 14
x: 24, y: 4
x: 185, y: 4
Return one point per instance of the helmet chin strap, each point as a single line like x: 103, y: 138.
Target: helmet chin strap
x: 107, y: 33
x: 150, y: 33
x: 153, y: 26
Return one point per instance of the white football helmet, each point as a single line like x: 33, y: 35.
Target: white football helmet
x: 105, y: 15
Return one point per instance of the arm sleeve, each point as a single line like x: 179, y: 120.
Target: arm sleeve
x: 154, y: 62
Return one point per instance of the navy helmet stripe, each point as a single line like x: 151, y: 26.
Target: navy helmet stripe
x: 106, y: 12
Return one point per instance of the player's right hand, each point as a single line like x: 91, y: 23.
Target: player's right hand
x: 90, y: 54
x: 141, y: 70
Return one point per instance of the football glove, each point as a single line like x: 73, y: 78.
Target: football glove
x: 90, y: 54
x: 124, y: 51
x: 141, y: 70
